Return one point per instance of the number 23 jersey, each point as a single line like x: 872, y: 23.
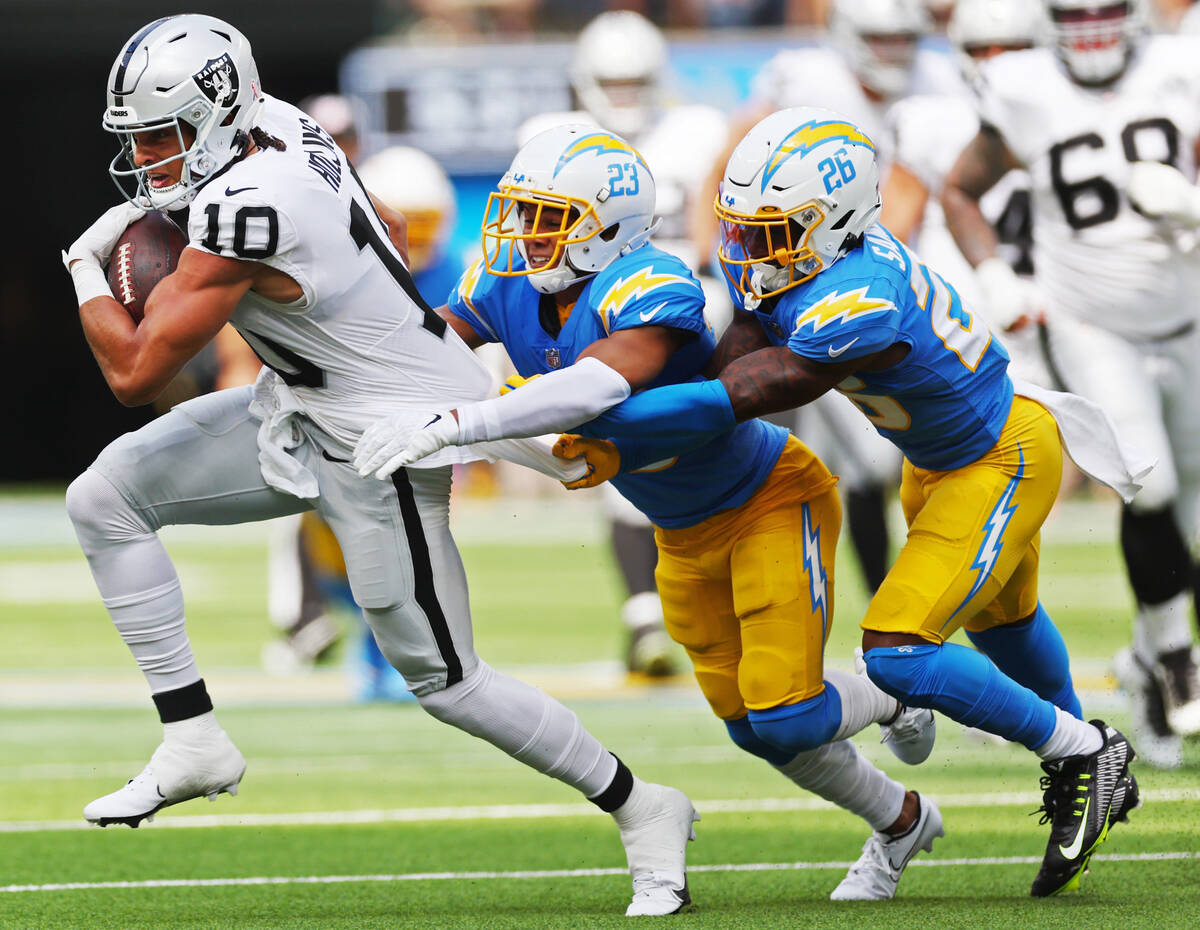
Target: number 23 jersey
x: 1096, y: 257
x: 356, y: 345
x: 945, y: 404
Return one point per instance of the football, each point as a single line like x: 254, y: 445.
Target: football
x: 146, y: 253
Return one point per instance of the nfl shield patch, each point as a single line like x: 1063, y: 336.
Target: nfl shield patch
x: 554, y: 357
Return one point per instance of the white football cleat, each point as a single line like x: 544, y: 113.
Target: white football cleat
x: 1178, y: 679
x: 1156, y: 744
x: 910, y: 735
x: 877, y: 872
x: 178, y: 771
x: 655, y: 847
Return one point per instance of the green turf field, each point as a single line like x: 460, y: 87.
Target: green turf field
x: 356, y: 815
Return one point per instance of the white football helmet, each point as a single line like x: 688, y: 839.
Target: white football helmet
x: 879, y: 39
x: 194, y: 70
x: 798, y: 193
x: 409, y: 180
x: 1095, y: 38
x: 597, y: 182
x: 977, y: 26
x: 617, y: 71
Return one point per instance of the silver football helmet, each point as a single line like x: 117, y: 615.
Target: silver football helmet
x: 617, y: 71
x: 192, y: 74
x: 879, y: 39
x: 1095, y: 38
x: 598, y: 191
x: 800, y: 190
x: 977, y: 26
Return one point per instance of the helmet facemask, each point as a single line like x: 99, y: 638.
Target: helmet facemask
x: 1095, y: 40
x: 517, y: 219
x: 765, y: 254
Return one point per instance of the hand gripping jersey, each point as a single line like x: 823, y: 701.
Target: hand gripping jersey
x: 945, y: 404
x: 358, y: 344
x: 646, y: 287
x: 1096, y: 257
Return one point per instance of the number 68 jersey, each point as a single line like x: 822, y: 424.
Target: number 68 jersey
x: 359, y: 343
x: 1095, y: 256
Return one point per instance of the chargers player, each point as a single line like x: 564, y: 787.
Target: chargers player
x: 747, y: 524
x: 832, y: 300
x: 618, y: 71
x: 874, y: 58
x: 1105, y: 109
x: 285, y: 242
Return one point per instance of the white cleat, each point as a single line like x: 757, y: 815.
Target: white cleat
x: 1152, y: 737
x: 910, y: 735
x: 877, y: 872
x: 656, y: 847
x: 1178, y: 679
x: 178, y: 771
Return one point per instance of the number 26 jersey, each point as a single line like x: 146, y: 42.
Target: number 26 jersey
x: 1096, y: 257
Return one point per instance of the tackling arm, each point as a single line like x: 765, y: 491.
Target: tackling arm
x: 743, y: 336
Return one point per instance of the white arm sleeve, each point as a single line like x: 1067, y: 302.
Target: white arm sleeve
x: 533, y: 453
x: 553, y: 403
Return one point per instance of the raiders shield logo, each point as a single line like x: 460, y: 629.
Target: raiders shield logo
x: 218, y: 81
x: 554, y: 357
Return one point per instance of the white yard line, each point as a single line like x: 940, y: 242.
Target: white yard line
x: 548, y: 873
x: 542, y: 811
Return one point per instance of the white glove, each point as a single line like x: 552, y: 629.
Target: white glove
x: 403, y: 438
x: 98, y: 240
x: 1160, y: 190
x: 88, y: 254
x: 1011, y: 301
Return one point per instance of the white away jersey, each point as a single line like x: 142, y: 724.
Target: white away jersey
x: 358, y: 344
x: 1095, y: 256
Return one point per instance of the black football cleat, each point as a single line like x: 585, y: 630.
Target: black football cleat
x: 1083, y: 796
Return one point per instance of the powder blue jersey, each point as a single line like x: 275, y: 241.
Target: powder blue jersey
x: 646, y: 287
x: 945, y: 404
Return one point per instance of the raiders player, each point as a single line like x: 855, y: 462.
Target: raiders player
x: 285, y: 243
x: 1120, y: 285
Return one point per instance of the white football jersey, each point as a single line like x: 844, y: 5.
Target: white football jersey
x: 1097, y: 258
x: 358, y: 344
x: 680, y: 148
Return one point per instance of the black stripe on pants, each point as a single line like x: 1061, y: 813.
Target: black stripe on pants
x: 426, y: 594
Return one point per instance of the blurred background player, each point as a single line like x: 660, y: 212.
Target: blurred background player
x: 875, y: 58
x: 619, y: 74
x: 1108, y: 107
x: 929, y: 131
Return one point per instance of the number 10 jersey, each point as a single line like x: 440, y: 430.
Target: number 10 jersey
x: 1095, y: 256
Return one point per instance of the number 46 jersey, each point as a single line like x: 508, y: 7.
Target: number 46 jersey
x: 1096, y: 257
x: 359, y: 343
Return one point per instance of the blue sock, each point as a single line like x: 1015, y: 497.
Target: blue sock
x: 965, y: 686
x: 1034, y: 654
x: 743, y: 735
x: 799, y: 727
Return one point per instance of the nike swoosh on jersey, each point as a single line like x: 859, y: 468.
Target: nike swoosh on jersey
x: 834, y: 353
x: 431, y: 422
x: 1072, y: 851
x: 648, y: 315
x: 230, y: 191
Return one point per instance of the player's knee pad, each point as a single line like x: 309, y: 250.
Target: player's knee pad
x: 904, y: 672
x: 741, y: 731
x: 799, y: 727
x: 1156, y: 555
x: 99, y: 513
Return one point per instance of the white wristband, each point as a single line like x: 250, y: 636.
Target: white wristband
x: 89, y: 281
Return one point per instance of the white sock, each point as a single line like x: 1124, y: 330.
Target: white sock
x: 528, y: 725
x: 838, y: 773
x: 1163, y: 627
x: 1071, y: 737
x: 136, y: 579
x: 862, y: 702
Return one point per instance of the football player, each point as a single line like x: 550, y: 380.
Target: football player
x: 286, y: 244
x: 874, y: 59
x: 1105, y: 106
x: 930, y: 130
x: 618, y: 72
x: 747, y: 524
x: 832, y: 300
